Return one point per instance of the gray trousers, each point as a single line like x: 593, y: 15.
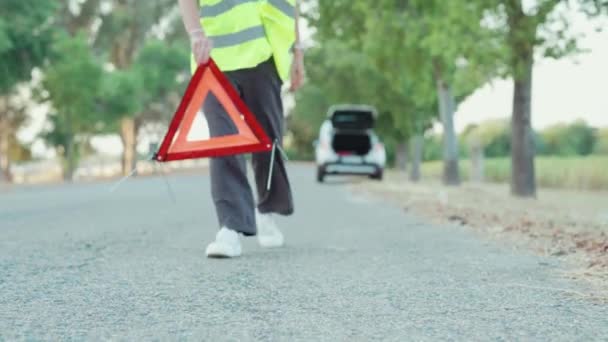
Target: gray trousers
x: 260, y: 89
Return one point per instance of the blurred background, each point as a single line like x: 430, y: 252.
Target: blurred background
x: 510, y: 91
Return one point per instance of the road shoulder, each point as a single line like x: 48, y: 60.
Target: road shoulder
x: 571, y: 226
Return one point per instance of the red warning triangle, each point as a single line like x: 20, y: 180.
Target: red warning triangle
x: 250, y: 137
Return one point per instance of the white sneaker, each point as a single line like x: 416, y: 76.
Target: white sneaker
x: 226, y: 244
x: 269, y: 235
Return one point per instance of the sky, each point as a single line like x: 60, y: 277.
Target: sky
x: 564, y: 90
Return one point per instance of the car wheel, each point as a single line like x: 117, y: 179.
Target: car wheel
x: 320, y: 174
x: 378, y: 175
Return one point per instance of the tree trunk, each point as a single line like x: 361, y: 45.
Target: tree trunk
x: 416, y: 143
x: 450, y: 145
x: 521, y: 40
x: 523, y: 182
x: 402, y: 155
x: 477, y: 157
x: 5, y: 174
x: 70, y: 160
x: 5, y: 163
x: 122, y: 53
x: 129, y: 142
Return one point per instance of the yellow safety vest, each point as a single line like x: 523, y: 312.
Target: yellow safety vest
x: 246, y: 33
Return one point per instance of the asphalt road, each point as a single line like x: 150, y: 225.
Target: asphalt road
x: 77, y: 263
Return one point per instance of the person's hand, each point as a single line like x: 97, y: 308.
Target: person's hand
x: 201, y: 46
x: 297, y: 70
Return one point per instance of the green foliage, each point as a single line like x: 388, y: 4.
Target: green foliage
x: 312, y: 104
x: 59, y: 134
x: 601, y: 142
x: 337, y: 74
x: 493, y: 135
x: 298, y: 142
x: 432, y: 147
x: 87, y: 98
x: 383, y: 53
x: 159, y: 63
x: 73, y: 82
x: 163, y: 70
x: 25, y: 37
x: 121, y: 91
x: 577, y: 138
x: 90, y: 101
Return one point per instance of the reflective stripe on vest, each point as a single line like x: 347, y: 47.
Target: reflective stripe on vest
x: 246, y: 33
x: 235, y: 27
x: 221, y: 7
x: 226, y: 5
x: 285, y: 7
x: 232, y: 39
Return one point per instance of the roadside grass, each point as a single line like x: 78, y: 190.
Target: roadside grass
x: 582, y: 173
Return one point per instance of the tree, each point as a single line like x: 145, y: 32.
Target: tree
x: 533, y: 27
x: 521, y: 39
x: 354, y: 60
x: 117, y: 30
x: 395, y: 55
x: 460, y: 53
x: 123, y: 32
x: 422, y: 61
x: 329, y: 69
x: 25, y: 37
x: 416, y: 143
x: 73, y: 82
x: 162, y: 71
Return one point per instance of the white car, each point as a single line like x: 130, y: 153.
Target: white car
x: 348, y: 145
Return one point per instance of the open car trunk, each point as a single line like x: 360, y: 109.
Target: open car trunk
x: 351, y: 130
x: 352, y: 143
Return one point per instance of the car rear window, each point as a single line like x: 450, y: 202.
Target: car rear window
x: 352, y: 119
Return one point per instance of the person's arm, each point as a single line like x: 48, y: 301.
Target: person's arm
x: 200, y: 43
x: 297, y: 68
